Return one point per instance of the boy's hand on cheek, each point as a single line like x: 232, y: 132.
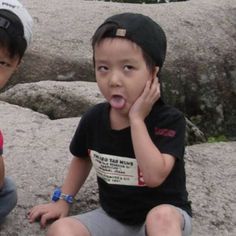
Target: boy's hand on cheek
x: 143, y: 105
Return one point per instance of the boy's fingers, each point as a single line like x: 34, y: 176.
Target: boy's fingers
x: 47, y: 217
x: 36, y: 213
x: 44, y: 219
x: 155, y: 83
x: 33, y: 216
x: 155, y: 89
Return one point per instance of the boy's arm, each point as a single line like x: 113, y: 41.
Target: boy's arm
x: 2, y: 171
x: 78, y: 172
x: 154, y: 165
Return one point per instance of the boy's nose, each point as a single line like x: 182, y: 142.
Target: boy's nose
x: 115, y: 79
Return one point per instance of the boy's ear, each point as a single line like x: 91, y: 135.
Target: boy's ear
x: 157, y: 68
x: 155, y: 72
x: 17, y: 67
x: 18, y: 64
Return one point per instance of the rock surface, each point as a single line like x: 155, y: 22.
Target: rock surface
x: 55, y: 99
x: 200, y: 70
x: 37, y: 156
x: 36, y: 148
x: 69, y: 99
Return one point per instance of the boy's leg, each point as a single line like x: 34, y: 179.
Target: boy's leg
x: 93, y: 223
x: 99, y: 223
x: 168, y: 220
x: 8, y: 198
x: 67, y: 226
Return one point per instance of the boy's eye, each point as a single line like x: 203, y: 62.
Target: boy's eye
x: 128, y: 67
x: 3, y: 63
x: 102, y: 68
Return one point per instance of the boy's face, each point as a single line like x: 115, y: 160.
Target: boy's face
x: 7, y: 66
x: 121, y: 72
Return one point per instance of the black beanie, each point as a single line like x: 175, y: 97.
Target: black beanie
x: 143, y: 31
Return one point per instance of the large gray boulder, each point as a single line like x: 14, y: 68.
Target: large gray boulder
x: 69, y: 99
x: 199, y: 77
x: 37, y: 157
x: 200, y: 71
x: 55, y: 99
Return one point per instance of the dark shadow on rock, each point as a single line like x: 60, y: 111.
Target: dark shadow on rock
x: 205, y: 92
x: 51, y: 68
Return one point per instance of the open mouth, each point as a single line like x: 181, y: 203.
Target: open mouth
x: 117, y: 102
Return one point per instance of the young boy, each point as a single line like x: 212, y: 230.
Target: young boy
x: 15, y: 36
x: 134, y: 141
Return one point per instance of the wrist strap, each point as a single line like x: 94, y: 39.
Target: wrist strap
x: 59, y: 195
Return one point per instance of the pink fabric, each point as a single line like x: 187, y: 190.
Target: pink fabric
x: 1, y: 142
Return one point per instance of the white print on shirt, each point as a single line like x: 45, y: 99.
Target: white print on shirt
x: 117, y: 170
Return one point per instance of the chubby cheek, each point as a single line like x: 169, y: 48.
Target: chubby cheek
x: 103, y: 89
x: 3, y: 82
x: 6, y: 75
x: 136, y: 91
x: 133, y: 97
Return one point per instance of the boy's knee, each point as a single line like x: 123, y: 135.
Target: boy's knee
x: 164, y: 216
x: 67, y: 226
x: 9, y: 191
x: 8, y: 198
x: 9, y: 185
x: 58, y: 228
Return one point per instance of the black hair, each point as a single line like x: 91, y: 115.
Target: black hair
x: 106, y: 31
x: 13, y: 41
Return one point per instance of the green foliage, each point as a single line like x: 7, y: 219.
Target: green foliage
x: 220, y: 138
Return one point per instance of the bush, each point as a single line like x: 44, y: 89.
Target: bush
x: 220, y: 138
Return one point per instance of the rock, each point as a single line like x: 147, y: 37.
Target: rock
x: 211, y: 180
x: 69, y: 99
x: 198, y: 77
x: 55, y: 99
x: 200, y: 70
x: 193, y: 134
x: 37, y: 157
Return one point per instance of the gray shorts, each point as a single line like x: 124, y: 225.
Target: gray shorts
x: 100, y: 224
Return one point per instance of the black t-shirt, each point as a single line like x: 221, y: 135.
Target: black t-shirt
x: 122, y: 192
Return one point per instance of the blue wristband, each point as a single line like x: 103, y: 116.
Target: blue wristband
x: 59, y: 195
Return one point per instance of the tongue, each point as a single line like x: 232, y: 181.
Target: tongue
x: 117, y: 102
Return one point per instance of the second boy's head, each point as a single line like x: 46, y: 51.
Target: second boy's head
x: 15, y: 36
x: 128, y: 50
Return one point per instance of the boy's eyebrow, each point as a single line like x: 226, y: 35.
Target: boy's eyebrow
x: 130, y: 60
x: 123, y: 61
x: 102, y: 61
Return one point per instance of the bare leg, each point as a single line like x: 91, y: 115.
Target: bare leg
x: 164, y: 220
x: 67, y: 226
